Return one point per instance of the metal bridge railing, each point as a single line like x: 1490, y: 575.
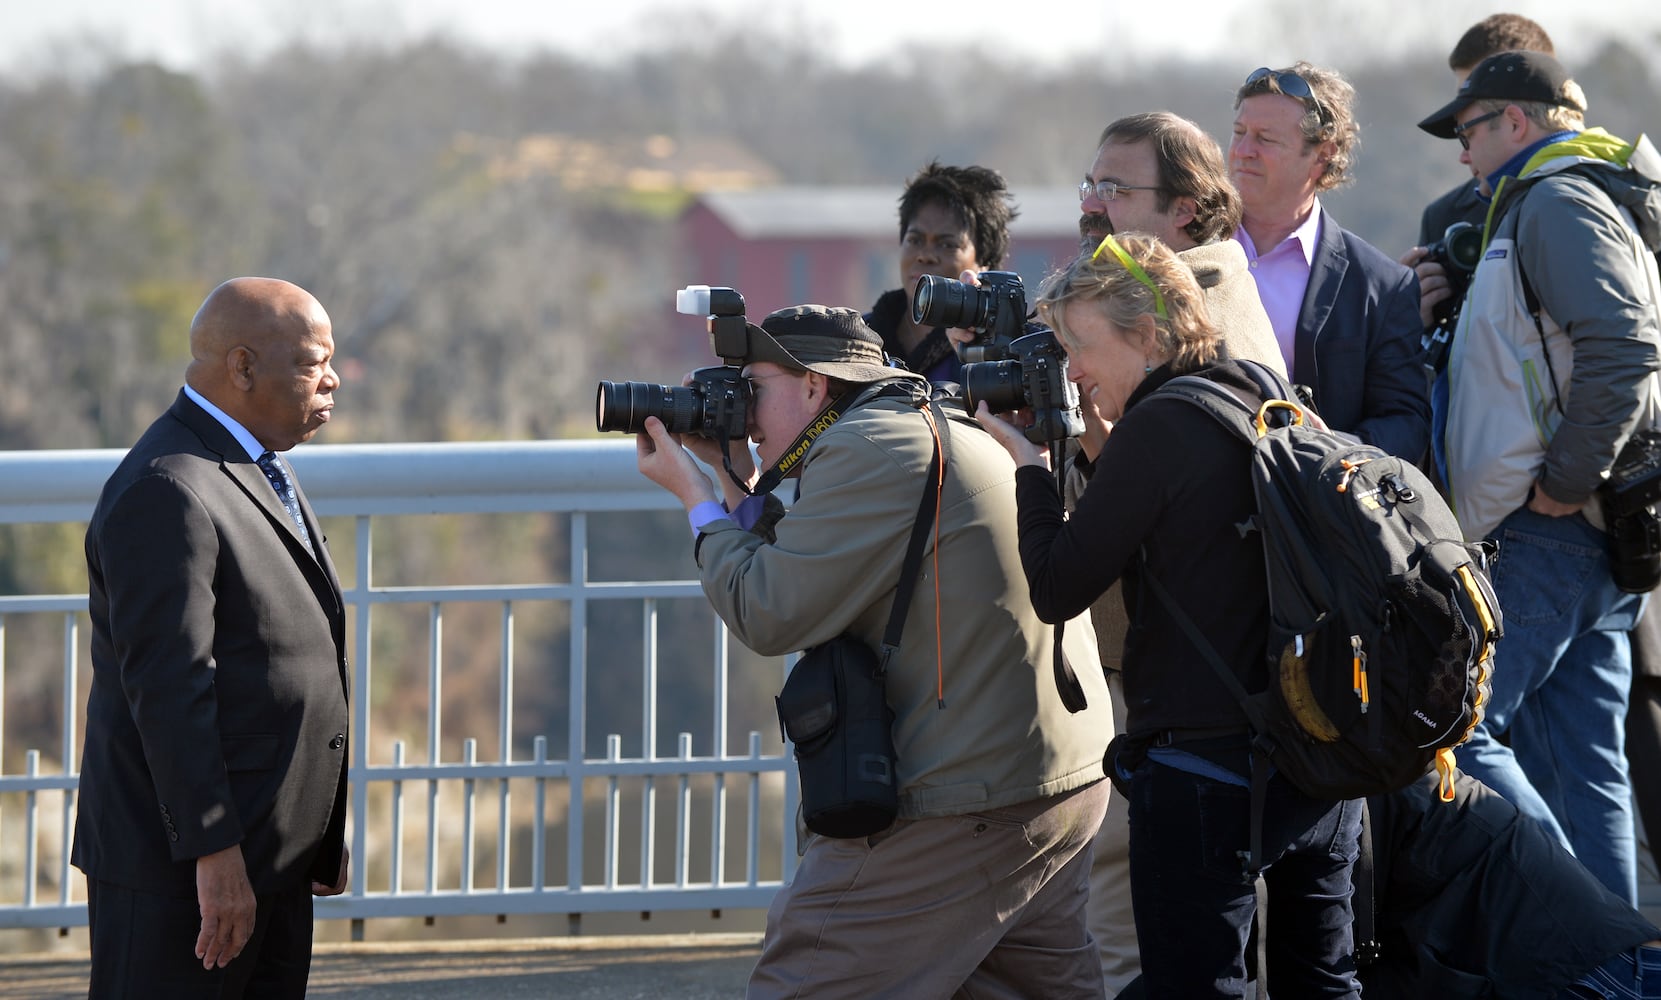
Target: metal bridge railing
x: 529, y: 814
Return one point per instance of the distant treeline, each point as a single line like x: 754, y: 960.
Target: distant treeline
x: 474, y: 298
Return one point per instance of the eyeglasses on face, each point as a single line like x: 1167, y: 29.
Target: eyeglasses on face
x: 1462, y: 132
x: 1108, y: 190
x: 1290, y: 84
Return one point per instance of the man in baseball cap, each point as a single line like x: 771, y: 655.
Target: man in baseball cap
x: 979, y: 886
x: 1509, y: 76
x: 1552, y: 368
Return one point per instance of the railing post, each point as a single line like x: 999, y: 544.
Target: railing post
x: 576, y: 721
x: 362, y: 696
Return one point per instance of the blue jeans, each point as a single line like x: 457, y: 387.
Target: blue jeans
x: 1561, y: 677
x: 1194, y: 905
x: 1630, y: 975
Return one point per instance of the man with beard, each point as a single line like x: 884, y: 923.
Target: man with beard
x: 1160, y: 174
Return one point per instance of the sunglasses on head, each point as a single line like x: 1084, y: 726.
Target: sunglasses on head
x: 1290, y: 84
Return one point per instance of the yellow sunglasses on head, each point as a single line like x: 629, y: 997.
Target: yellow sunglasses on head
x: 1136, y: 271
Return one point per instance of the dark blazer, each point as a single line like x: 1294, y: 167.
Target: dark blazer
x: 1357, y: 344
x: 1460, y: 204
x: 217, y: 713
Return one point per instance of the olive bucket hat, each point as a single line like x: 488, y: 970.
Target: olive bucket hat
x: 834, y: 342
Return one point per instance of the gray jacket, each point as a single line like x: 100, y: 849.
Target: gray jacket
x: 1557, y: 402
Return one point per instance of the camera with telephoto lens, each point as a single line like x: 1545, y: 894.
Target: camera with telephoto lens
x: 1629, y: 495
x: 996, y: 310
x: 716, y: 404
x: 1033, y: 377
x: 1458, y: 251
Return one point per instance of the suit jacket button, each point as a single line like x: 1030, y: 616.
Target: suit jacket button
x: 173, y: 836
x: 337, y: 742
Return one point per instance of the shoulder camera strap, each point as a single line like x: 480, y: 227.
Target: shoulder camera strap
x: 928, y: 516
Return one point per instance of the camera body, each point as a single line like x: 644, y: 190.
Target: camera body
x: 1459, y: 251
x: 1629, y: 495
x: 1032, y: 377
x: 996, y: 310
x: 717, y: 403
x: 1634, y: 482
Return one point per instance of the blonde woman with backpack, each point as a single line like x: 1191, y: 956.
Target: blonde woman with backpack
x: 1167, y: 493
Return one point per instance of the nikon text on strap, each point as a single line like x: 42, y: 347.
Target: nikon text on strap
x: 793, y: 455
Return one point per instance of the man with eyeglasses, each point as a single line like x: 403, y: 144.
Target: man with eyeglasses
x: 1492, y: 35
x: 1345, y: 315
x: 1161, y: 174
x: 1552, y: 368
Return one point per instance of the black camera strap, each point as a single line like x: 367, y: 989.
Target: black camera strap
x: 928, y: 509
x: 1066, y: 681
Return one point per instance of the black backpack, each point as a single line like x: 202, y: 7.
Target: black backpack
x: 1382, y: 619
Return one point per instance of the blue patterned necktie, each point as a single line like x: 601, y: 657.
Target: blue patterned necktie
x: 272, y: 466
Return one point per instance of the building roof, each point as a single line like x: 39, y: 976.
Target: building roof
x: 869, y: 212
x: 655, y: 163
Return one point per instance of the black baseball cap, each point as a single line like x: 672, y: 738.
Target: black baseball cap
x: 1508, y: 76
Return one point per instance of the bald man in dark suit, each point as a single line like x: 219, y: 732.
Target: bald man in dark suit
x: 213, y: 778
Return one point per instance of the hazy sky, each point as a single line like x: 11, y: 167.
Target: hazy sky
x: 42, y: 33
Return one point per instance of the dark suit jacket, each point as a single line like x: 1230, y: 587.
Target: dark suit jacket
x: 1459, y: 204
x: 217, y: 713
x: 1357, y: 344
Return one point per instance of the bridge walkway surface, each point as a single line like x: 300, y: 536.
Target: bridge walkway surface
x: 644, y: 967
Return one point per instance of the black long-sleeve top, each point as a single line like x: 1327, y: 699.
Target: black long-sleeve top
x: 1175, y: 484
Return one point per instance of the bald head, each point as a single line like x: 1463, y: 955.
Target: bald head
x: 260, y: 350
x: 255, y: 312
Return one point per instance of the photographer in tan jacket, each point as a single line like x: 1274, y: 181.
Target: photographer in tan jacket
x: 980, y: 883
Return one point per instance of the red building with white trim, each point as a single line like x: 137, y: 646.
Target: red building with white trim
x: 839, y: 246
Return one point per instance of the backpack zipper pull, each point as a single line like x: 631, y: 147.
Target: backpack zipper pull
x: 1359, y: 657
x: 1350, y: 469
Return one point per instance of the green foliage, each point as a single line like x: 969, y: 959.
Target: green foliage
x: 42, y: 559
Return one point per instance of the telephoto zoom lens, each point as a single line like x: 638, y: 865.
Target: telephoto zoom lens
x: 624, y: 406
x: 939, y: 301
x: 997, y: 382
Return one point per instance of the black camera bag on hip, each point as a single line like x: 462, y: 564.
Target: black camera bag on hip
x: 1630, y: 494
x: 834, y: 706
